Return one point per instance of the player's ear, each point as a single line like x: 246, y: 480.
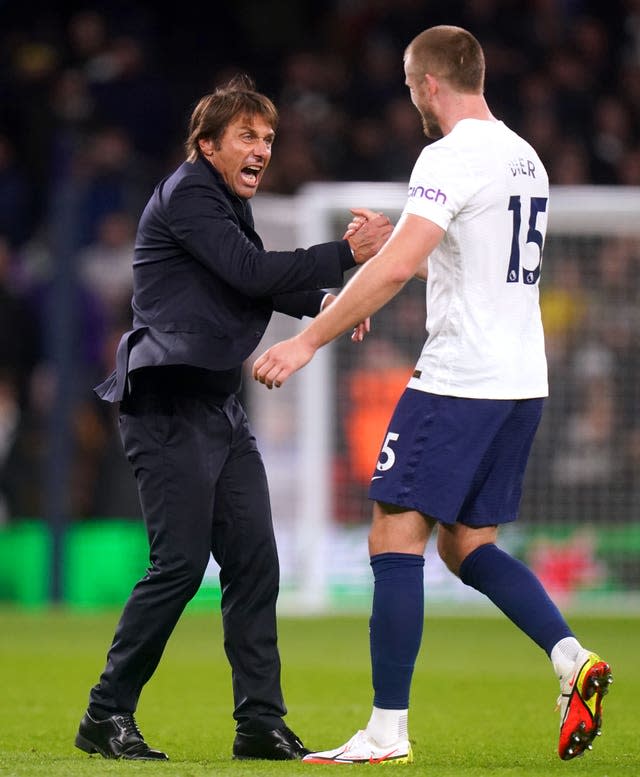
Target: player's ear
x: 432, y: 83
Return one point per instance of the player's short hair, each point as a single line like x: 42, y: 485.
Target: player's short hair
x: 451, y: 53
x: 214, y: 112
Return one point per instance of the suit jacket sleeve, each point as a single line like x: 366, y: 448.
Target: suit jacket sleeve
x: 299, y: 303
x: 205, y: 225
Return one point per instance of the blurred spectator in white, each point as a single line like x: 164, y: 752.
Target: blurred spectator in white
x: 105, y: 265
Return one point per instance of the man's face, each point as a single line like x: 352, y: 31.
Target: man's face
x: 243, y: 153
x: 419, y: 91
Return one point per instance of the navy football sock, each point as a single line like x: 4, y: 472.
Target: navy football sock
x: 514, y: 588
x: 395, y: 628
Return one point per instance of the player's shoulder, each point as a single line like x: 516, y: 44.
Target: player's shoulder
x: 520, y: 158
x: 468, y: 137
x: 462, y: 153
x: 444, y: 152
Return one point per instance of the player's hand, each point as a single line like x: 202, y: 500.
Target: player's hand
x: 369, y: 231
x: 280, y: 361
x: 359, y: 331
x: 354, y: 225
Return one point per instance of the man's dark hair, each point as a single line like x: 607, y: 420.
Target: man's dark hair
x: 214, y: 112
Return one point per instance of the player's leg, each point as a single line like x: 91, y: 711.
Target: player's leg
x: 469, y: 550
x: 471, y: 553
x: 513, y: 587
x: 397, y: 542
x: 427, y: 461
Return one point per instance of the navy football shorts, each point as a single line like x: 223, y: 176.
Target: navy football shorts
x: 456, y: 459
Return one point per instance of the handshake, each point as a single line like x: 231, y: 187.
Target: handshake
x: 366, y: 233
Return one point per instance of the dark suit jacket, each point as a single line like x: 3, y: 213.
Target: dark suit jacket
x: 204, y: 289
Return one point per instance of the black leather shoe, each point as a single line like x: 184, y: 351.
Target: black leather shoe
x: 117, y: 736
x: 281, y: 744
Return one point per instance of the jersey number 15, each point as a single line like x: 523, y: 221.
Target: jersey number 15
x: 537, y: 205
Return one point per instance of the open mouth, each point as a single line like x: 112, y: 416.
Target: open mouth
x: 251, y: 175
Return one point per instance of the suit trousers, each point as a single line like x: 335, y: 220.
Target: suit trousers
x: 203, y: 490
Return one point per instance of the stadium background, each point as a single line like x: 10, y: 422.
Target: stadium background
x: 93, y: 108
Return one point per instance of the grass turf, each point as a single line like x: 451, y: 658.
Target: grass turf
x: 482, y: 699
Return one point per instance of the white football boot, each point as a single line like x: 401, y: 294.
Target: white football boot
x: 361, y: 749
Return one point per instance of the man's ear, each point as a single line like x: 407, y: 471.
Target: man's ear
x: 207, y: 146
x: 432, y: 84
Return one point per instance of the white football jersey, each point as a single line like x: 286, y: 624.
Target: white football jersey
x: 487, y: 188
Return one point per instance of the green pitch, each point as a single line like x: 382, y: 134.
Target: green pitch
x: 482, y: 701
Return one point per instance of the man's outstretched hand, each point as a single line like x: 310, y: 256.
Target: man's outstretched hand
x: 280, y: 361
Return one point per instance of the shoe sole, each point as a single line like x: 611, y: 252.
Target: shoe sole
x: 596, y: 684
x: 385, y: 761
x: 371, y: 761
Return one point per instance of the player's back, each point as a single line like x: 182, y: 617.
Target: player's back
x: 489, y: 190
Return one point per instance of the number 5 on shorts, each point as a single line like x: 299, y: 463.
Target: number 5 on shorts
x: 387, y: 452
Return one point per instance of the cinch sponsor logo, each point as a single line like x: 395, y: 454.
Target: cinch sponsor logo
x: 437, y: 195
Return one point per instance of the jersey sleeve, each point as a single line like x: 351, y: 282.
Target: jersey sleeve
x: 438, y: 187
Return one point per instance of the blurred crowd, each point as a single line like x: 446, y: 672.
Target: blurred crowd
x: 94, y: 102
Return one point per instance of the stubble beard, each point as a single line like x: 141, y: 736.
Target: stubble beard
x: 430, y: 126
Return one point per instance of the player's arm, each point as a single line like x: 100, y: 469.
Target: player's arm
x: 360, y: 217
x: 377, y: 282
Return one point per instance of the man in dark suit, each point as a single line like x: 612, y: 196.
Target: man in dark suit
x: 204, y: 292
